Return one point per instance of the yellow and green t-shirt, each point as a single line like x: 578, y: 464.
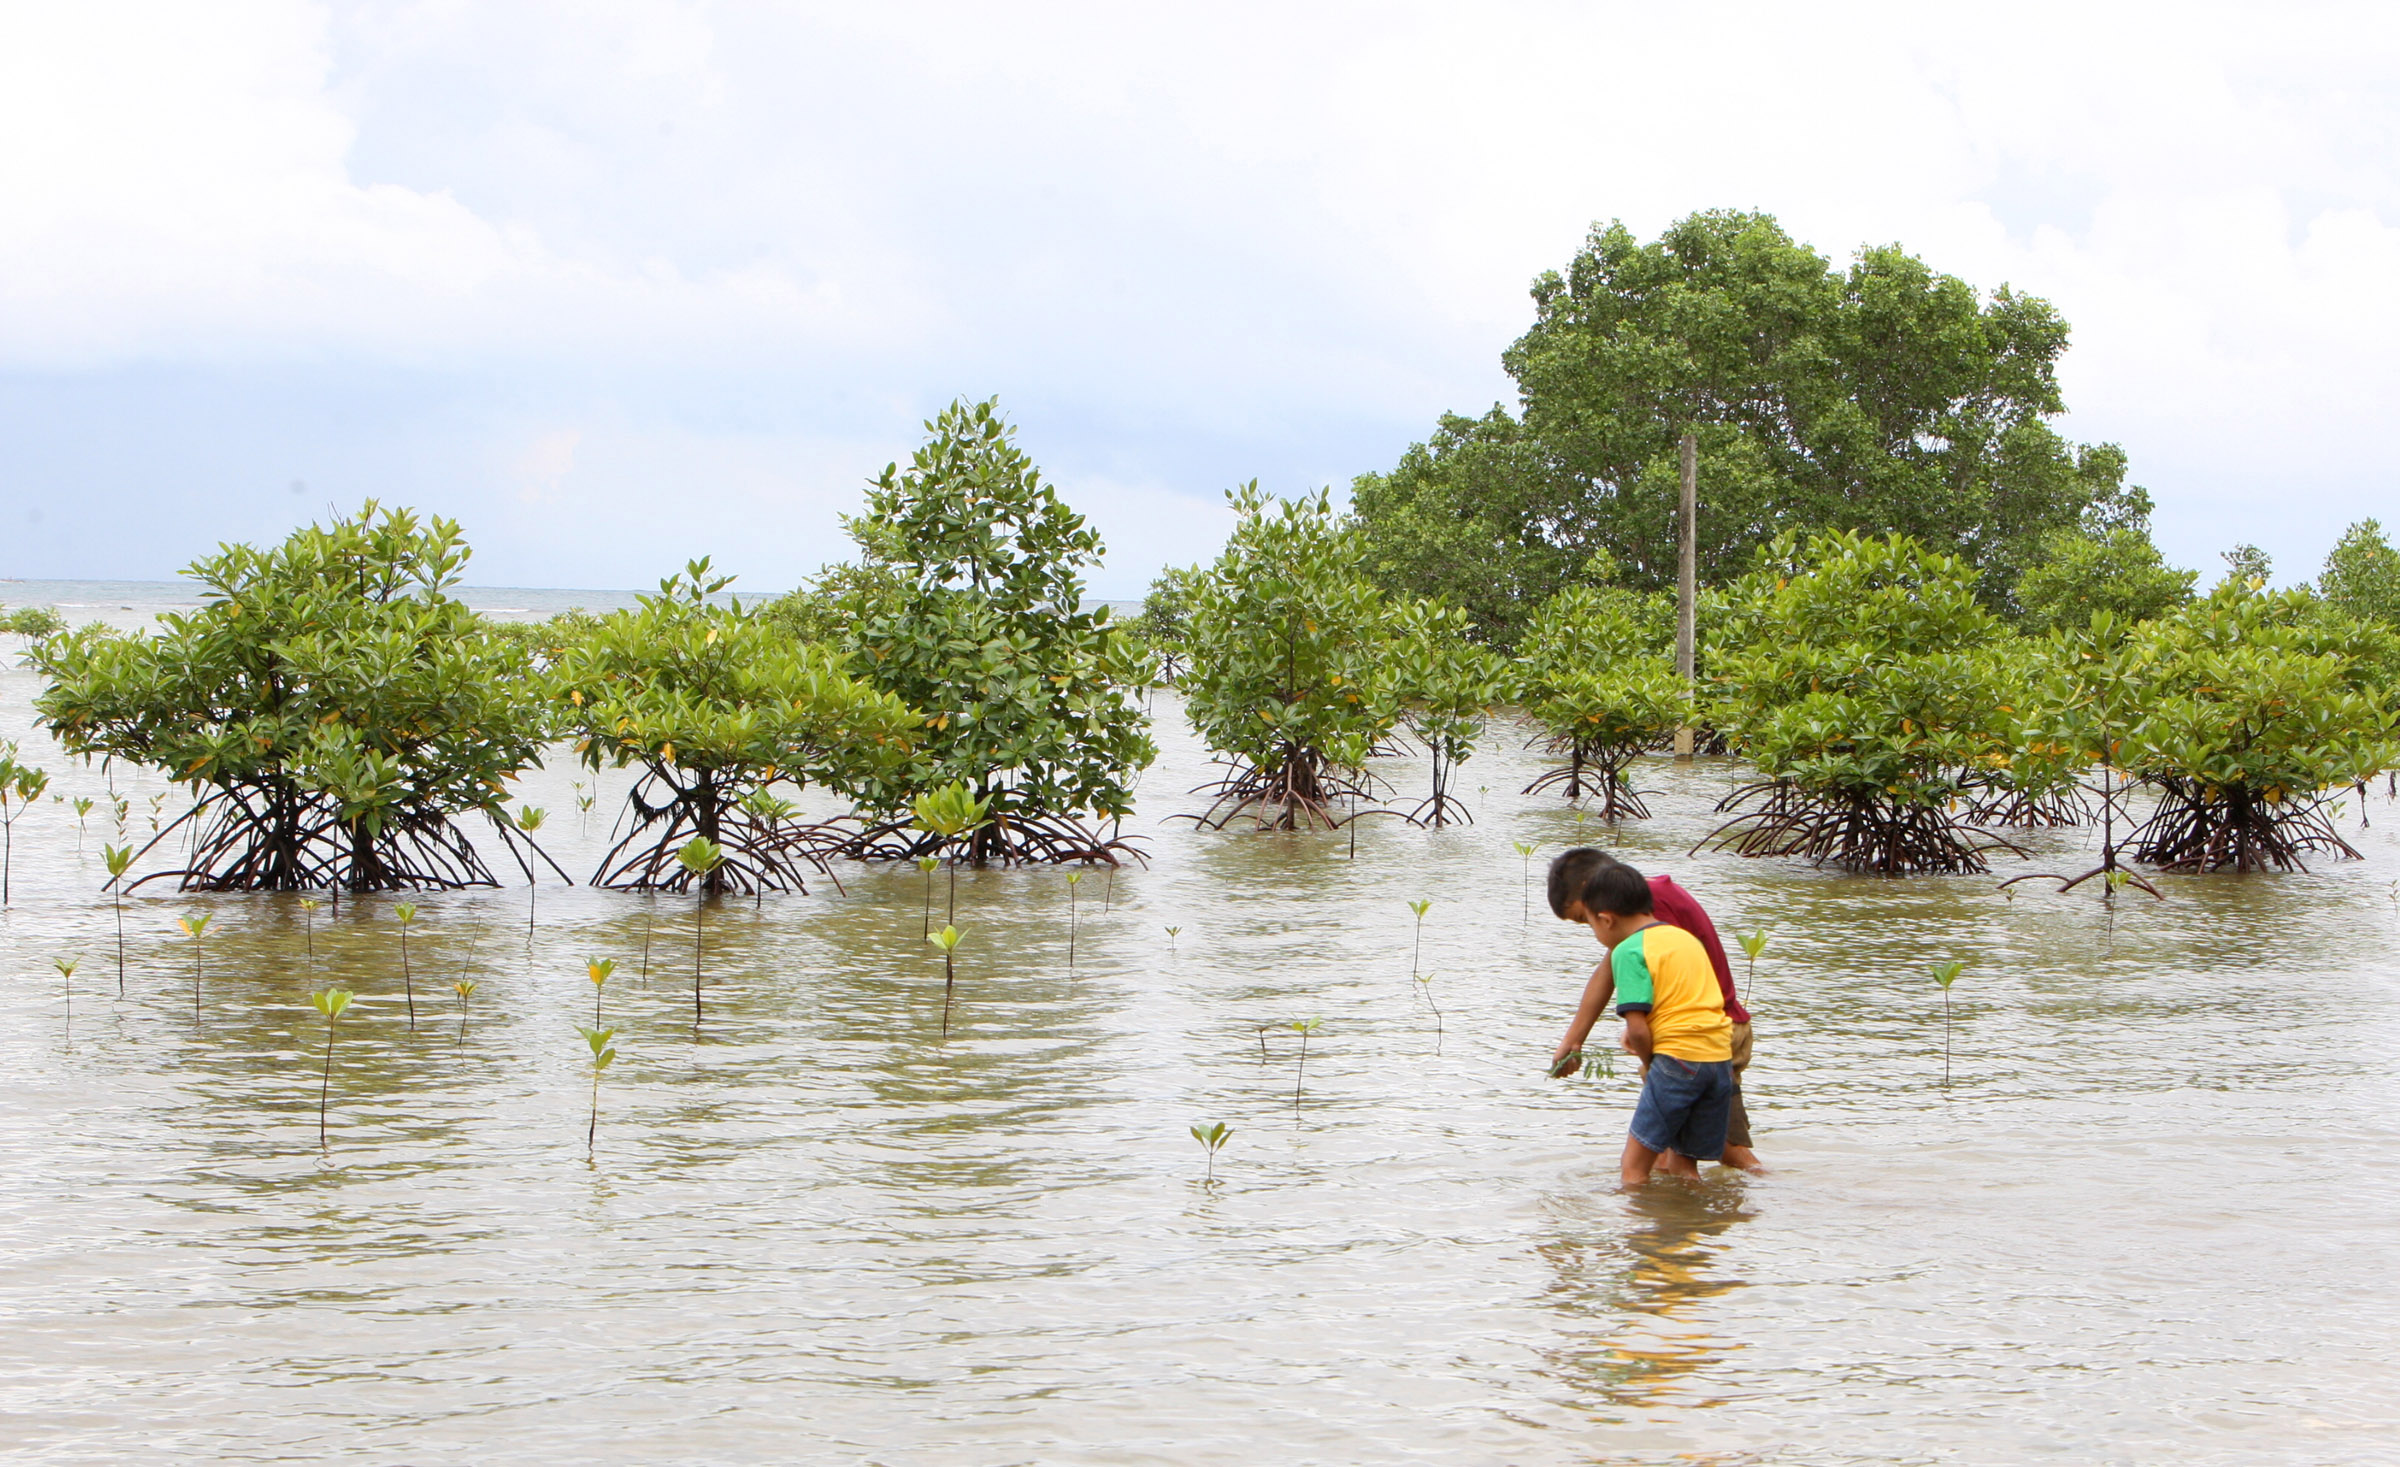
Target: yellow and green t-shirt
x: 1664, y: 972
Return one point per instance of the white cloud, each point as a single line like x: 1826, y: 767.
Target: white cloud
x: 1199, y: 244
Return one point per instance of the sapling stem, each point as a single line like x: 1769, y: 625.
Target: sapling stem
x: 193, y: 927
x: 926, y: 865
x: 1305, y: 1027
x: 66, y: 973
x: 1074, y: 880
x: 1418, y: 951
x: 119, y: 859
x: 1946, y: 974
x: 330, y: 1002
x: 407, y: 913
x: 947, y: 940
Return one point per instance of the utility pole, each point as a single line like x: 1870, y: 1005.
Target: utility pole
x: 1687, y: 580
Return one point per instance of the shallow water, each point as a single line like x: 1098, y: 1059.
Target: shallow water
x: 2150, y: 1219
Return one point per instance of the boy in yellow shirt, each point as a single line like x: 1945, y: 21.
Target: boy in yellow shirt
x: 1675, y: 1021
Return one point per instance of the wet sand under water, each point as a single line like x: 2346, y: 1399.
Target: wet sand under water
x: 2151, y: 1219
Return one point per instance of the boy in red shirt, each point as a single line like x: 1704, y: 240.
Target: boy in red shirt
x: 1570, y: 877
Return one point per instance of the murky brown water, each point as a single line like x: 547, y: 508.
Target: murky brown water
x: 2152, y: 1220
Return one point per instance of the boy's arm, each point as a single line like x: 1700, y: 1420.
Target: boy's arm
x: 1637, y: 1036
x: 1596, y: 993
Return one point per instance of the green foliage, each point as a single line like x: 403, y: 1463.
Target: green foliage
x: 1165, y: 624
x: 2246, y: 707
x: 1591, y: 675
x: 2247, y: 565
x: 1875, y: 696
x: 1446, y: 685
x: 1881, y: 398
x: 2362, y: 575
x: 330, y: 704
x: 1292, y: 675
x: 1023, y: 690
x: 714, y: 703
x: 832, y: 604
x: 33, y: 622
x: 2117, y: 571
x: 1212, y: 1138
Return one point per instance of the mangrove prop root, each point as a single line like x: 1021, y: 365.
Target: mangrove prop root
x: 1009, y: 840
x: 1595, y: 769
x: 2198, y: 827
x: 1298, y: 792
x: 269, y: 838
x: 760, y: 855
x: 1863, y: 833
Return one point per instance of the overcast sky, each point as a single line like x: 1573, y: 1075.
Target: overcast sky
x: 618, y: 282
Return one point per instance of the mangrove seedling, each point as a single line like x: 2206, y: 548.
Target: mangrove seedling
x: 20, y: 786
x: 700, y: 856
x: 192, y: 928
x: 1753, y: 943
x: 330, y: 1002
x: 1425, y: 986
x: 1304, y: 1028
x: 465, y: 989
x: 66, y: 973
x: 83, y: 810
x: 947, y: 941
x: 1525, y: 887
x: 1946, y: 974
x: 308, y: 926
x: 119, y: 859
x: 529, y: 820
x: 598, y: 969
x: 1420, y: 908
x: 1212, y: 1137
x: 950, y: 816
x: 604, y: 1053
x: 1172, y: 932
x: 407, y: 913
x: 1074, y: 879
x: 926, y: 865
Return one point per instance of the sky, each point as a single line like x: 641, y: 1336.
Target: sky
x: 621, y: 282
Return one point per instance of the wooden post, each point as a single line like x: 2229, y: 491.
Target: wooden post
x: 1687, y: 580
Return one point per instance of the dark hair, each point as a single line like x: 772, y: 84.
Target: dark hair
x: 1592, y: 877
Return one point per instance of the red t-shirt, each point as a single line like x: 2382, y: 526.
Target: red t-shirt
x: 1676, y: 907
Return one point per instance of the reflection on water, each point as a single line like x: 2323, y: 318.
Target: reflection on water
x: 1632, y: 1272
x: 816, y: 1230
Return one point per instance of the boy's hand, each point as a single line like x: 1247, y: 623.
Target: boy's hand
x: 1565, y: 1063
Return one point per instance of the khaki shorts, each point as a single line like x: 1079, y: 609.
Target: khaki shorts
x: 1737, y: 1129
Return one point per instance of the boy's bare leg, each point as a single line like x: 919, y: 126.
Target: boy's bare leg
x: 1635, y: 1168
x: 1743, y: 1157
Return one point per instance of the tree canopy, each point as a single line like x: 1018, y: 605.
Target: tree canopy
x: 1885, y: 398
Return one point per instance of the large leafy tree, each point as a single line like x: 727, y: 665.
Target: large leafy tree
x: 1884, y: 398
x: 2362, y: 575
x: 1293, y: 681
x: 978, y: 622
x: 2118, y: 571
x: 1447, y: 683
x: 331, y: 706
x: 717, y: 706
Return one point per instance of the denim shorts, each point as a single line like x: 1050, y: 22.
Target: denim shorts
x: 1685, y: 1107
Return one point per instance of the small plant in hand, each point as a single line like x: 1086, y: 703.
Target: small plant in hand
x: 331, y: 1002
x: 1212, y: 1138
x: 604, y: 1054
x: 947, y: 941
x: 1946, y: 974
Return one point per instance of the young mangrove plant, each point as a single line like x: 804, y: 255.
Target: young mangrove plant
x: 192, y: 928
x: 308, y: 927
x: 1753, y: 943
x: 598, y: 969
x: 949, y: 818
x: 465, y: 989
x: 1417, y: 949
x: 1023, y: 692
x: 1293, y: 683
x: 1946, y: 974
x: 1600, y: 689
x: 119, y: 860
x: 20, y: 786
x: 66, y: 975
x: 1174, y: 932
x: 333, y: 711
x: 714, y: 703
x: 1525, y: 884
x: 407, y: 913
x: 604, y: 1054
x: 1074, y: 879
x: 1304, y: 1028
x: 1212, y: 1138
x: 529, y: 820
x: 332, y: 1003
x: 947, y: 940
x: 1424, y: 986
x: 83, y: 810
x: 927, y: 864
x: 1446, y: 685
x: 1874, y: 699
x: 701, y: 858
